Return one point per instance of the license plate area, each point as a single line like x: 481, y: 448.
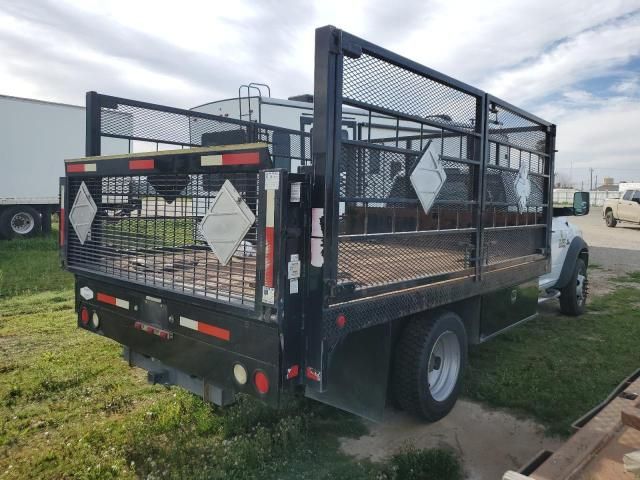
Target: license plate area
x: 154, y: 312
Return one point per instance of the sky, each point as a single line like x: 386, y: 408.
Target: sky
x: 575, y: 63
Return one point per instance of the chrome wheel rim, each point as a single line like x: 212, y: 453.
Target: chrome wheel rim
x: 581, y: 288
x: 444, y: 366
x: 22, y: 223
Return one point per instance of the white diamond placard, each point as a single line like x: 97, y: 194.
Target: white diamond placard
x: 226, y: 222
x: 427, y: 179
x: 522, y: 186
x: 83, y: 211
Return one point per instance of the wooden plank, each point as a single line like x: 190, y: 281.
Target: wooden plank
x: 632, y: 462
x: 511, y: 475
x: 631, y: 417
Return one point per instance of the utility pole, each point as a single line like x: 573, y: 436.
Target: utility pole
x: 590, y: 179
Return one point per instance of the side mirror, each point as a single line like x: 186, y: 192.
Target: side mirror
x: 581, y: 203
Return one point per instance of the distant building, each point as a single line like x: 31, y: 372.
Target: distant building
x: 608, y: 187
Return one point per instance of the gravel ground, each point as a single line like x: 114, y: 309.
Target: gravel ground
x: 468, y: 428
x: 615, y: 249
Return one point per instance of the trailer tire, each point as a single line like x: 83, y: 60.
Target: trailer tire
x: 19, y: 222
x: 573, y: 296
x: 610, y: 219
x: 429, y: 363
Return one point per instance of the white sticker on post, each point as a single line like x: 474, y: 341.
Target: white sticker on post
x: 293, y: 285
x: 293, y: 267
x: 268, y: 295
x: 271, y: 180
x: 296, y: 187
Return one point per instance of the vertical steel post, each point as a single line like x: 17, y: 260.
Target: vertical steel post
x: 92, y: 140
x: 482, y: 127
x: 324, y: 193
x: 549, y: 170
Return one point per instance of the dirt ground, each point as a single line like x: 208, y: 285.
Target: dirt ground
x: 470, y: 427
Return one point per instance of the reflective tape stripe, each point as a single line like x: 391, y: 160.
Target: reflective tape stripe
x: 142, y: 164
x: 269, y: 238
x: 210, y: 160
x: 81, y: 167
x: 213, y: 331
x: 111, y: 300
x: 244, y: 158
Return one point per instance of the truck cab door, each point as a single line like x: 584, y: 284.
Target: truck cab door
x: 634, y: 207
x: 625, y: 206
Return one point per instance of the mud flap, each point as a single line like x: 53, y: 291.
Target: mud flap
x: 357, y: 373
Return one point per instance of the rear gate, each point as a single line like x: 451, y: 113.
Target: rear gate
x: 178, y: 255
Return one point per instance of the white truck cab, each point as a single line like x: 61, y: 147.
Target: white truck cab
x: 568, y: 279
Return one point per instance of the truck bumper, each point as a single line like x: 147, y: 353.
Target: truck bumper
x: 182, y: 344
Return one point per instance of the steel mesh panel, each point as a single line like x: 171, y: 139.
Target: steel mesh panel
x: 508, y: 126
x: 378, y: 195
x: 197, y: 129
x: 507, y: 244
x: 372, y: 81
x: 146, y: 231
x: 383, y: 259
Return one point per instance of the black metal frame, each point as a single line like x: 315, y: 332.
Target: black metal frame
x: 309, y: 327
x: 382, y: 303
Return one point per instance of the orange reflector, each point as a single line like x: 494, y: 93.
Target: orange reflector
x: 261, y: 382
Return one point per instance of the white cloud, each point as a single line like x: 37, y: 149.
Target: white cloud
x: 527, y: 52
x: 628, y: 86
x: 590, y: 54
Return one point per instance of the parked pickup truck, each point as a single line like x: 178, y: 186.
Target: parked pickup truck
x: 625, y: 209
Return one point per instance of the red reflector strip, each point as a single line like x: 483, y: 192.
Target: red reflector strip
x: 111, y: 300
x: 268, y: 257
x: 293, y: 372
x: 81, y: 167
x: 313, y: 374
x: 221, y: 333
x: 245, y: 158
x: 142, y: 164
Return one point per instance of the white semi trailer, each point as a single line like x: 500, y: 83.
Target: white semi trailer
x: 35, y: 137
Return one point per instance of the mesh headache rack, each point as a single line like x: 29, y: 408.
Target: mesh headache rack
x: 181, y: 220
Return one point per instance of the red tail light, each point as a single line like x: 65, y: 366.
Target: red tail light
x: 261, y: 382
x: 84, y: 316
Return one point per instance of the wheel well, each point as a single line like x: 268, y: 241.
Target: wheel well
x: 468, y: 310
x: 607, y: 210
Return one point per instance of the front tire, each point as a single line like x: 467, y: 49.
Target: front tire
x: 429, y: 363
x: 610, y: 219
x: 573, y: 296
x: 20, y: 222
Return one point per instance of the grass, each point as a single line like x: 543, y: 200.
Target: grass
x: 31, y: 266
x: 556, y: 368
x: 71, y: 408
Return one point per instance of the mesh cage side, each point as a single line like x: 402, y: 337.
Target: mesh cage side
x: 146, y: 232
x: 372, y: 81
x: 186, y: 128
x: 366, y: 262
x: 513, y: 128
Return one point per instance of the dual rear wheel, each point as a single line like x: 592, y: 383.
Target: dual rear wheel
x: 429, y: 364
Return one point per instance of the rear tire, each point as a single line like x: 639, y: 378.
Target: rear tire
x: 429, y: 363
x: 573, y: 296
x: 20, y: 222
x: 610, y: 219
